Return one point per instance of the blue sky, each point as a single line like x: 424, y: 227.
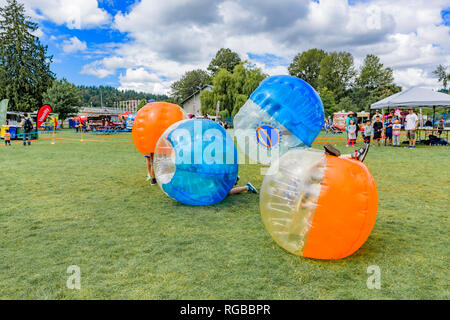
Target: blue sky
x: 446, y: 16
x: 69, y: 65
x: 146, y: 45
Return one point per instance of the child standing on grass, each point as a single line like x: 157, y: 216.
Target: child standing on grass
x: 396, y: 129
x: 367, y: 132
x: 388, y: 131
x: 7, y: 137
x: 351, y: 133
x: 377, y: 130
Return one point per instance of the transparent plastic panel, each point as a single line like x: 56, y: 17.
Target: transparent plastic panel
x: 260, y: 136
x: 164, y: 160
x: 289, y: 196
x: 294, y: 104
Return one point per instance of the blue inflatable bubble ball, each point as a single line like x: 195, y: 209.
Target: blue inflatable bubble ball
x: 196, y: 162
x: 283, y: 113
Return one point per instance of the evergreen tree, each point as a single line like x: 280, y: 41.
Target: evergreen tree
x: 24, y: 64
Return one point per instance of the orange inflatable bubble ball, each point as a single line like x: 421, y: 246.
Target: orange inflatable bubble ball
x: 151, y: 122
x: 318, y: 206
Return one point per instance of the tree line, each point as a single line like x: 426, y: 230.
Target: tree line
x: 332, y: 74
x: 94, y: 96
x: 340, y: 85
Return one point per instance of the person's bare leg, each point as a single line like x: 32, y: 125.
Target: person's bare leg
x: 249, y: 187
x: 238, y: 190
x: 152, y: 168
x: 149, y: 168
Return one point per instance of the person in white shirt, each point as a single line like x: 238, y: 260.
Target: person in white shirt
x: 377, y: 114
x: 411, y: 123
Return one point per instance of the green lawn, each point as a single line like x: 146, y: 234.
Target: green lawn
x: 88, y: 204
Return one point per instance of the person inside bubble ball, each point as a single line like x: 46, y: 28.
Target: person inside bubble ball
x: 316, y: 172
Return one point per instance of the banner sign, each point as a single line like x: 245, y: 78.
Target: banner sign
x: 43, y: 113
x: 3, y: 111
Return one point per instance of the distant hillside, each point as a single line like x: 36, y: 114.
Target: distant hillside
x: 91, y: 96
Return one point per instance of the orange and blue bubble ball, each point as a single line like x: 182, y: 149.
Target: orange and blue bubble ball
x: 318, y: 206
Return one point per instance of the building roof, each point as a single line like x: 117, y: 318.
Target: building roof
x: 208, y: 86
x: 100, y: 111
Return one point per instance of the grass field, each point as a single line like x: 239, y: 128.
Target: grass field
x: 88, y: 204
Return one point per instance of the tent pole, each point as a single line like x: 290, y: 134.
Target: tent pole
x: 434, y: 115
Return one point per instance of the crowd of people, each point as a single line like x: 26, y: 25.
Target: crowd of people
x: 27, y: 125
x: 383, y: 127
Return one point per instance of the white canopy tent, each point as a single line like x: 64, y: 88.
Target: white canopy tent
x: 414, y: 97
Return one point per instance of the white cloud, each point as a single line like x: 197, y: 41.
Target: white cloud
x: 414, y: 77
x: 97, y: 69
x: 73, y: 45
x: 79, y: 14
x: 172, y: 37
x: 140, y: 79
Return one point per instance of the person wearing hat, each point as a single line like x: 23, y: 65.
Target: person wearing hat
x: 411, y: 123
